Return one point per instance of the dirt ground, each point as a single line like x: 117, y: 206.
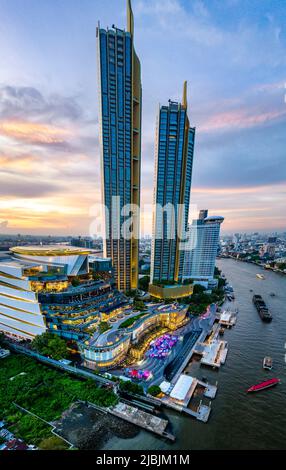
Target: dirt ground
x: 89, y: 429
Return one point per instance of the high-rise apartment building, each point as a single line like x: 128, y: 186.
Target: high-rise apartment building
x: 200, y: 256
x: 173, y: 176
x: 120, y: 138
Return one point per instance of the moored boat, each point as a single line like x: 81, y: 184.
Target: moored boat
x: 267, y: 363
x: 264, y: 385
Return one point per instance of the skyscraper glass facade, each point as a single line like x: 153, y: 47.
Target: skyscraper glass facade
x: 120, y: 136
x: 173, y: 176
x: 199, y: 262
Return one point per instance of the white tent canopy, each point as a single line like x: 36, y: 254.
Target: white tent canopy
x: 182, y: 387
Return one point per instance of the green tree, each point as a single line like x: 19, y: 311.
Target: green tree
x: 221, y: 282
x: 103, y: 327
x: 75, y: 282
x: 217, y: 271
x: 139, y: 305
x: 198, y: 289
x: 144, y: 283
x: 197, y: 309
x: 96, y: 276
x: 2, y: 339
x: 44, y: 391
x: 154, y: 390
x: 49, y: 344
x: 131, y: 387
x: 131, y: 293
x: 53, y: 443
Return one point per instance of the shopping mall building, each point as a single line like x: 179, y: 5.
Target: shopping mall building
x: 68, y: 291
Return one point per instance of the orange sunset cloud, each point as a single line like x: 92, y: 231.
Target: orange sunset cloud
x: 238, y: 119
x: 33, y: 132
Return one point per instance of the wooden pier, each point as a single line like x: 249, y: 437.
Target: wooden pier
x: 142, y: 419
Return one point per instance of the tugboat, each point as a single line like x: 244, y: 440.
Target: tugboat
x: 262, y: 308
x: 264, y: 385
x: 267, y: 363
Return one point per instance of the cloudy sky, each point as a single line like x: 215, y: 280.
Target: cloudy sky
x: 233, y: 54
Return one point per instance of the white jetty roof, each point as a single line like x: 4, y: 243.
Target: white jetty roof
x: 182, y: 387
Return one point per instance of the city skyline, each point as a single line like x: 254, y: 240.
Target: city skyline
x: 49, y: 146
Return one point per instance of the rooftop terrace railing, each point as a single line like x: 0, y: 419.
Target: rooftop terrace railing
x: 71, y: 297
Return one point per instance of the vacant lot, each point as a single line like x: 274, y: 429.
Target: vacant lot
x: 90, y: 429
x: 43, y: 391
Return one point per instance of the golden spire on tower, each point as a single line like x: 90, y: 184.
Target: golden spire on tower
x: 130, y: 18
x: 185, y: 97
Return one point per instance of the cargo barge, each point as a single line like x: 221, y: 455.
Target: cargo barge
x: 262, y: 308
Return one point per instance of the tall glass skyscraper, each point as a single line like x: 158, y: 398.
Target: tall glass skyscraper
x: 173, y: 176
x: 120, y: 138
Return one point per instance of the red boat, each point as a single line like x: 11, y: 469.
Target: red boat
x: 263, y: 385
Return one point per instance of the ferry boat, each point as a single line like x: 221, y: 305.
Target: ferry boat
x: 264, y: 385
x: 260, y: 276
x: 262, y: 308
x: 267, y: 363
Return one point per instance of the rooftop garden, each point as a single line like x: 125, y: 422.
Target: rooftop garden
x: 103, y: 327
x: 130, y: 321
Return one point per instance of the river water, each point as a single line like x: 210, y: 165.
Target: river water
x: 238, y: 420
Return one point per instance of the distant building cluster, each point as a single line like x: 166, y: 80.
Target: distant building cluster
x: 10, y: 442
x: 268, y: 251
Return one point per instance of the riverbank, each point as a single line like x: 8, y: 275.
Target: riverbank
x: 265, y: 266
x: 238, y: 421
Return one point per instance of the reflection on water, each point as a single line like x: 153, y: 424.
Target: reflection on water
x: 238, y: 420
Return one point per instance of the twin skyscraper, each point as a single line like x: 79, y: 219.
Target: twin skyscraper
x: 120, y: 138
